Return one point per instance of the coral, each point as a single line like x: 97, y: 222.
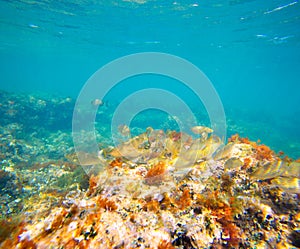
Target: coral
x: 156, y: 173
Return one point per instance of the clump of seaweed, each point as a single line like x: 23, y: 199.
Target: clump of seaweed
x: 151, y: 205
x: 263, y: 152
x: 106, y: 204
x: 116, y: 162
x: 163, y: 244
x: 224, y: 208
x: 247, y: 163
x: 185, y: 200
x: 156, y: 173
x: 93, y: 184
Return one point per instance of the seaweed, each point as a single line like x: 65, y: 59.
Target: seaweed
x: 93, y: 184
x: 263, y: 152
x: 247, y: 163
x: 185, y: 200
x: 106, y: 204
x: 151, y: 205
x: 156, y: 173
x: 164, y: 244
x: 224, y: 208
x: 116, y: 162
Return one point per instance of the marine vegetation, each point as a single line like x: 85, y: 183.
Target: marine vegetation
x: 165, y: 190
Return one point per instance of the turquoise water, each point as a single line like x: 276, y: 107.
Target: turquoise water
x: 250, y: 50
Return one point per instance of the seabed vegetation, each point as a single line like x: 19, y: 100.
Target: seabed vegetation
x: 159, y: 189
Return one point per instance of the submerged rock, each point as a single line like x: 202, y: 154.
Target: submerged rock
x: 162, y: 190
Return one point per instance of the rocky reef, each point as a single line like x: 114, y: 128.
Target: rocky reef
x: 157, y: 188
x: 165, y: 189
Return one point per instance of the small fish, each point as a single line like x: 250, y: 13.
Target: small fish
x: 201, y: 129
x: 272, y: 170
x: 97, y: 102
x: 85, y: 158
x: 288, y: 184
x: 233, y: 163
x: 281, y: 174
x: 224, y: 152
x: 126, y: 150
x: 200, y: 150
x: 124, y: 130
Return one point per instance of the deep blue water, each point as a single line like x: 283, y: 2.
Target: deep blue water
x: 250, y: 50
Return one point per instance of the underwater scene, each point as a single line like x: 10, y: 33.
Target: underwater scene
x: 150, y: 124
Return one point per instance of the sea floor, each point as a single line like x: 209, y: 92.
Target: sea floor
x: 157, y: 189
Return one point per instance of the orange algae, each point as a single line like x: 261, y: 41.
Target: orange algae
x: 152, y: 205
x: 224, y: 208
x: 9, y: 227
x: 116, y: 162
x: 163, y: 244
x: 106, y: 204
x: 263, y: 152
x: 247, y: 163
x: 185, y: 200
x: 27, y: 244
x: 167, y: 202
x: 93, y: 184
x: 156, y: 173
x: 233, y: 138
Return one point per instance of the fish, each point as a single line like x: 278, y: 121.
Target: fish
x: 224, y: 152
x: 85, y: 158
x: 288, y: 184
x: 281, y: 174
x: 199, y: 150
x: 126, y: 150
x: 233, y: 163
x: 97, y: 102
x: 124, y: 130
x: 201, y: 129
x: 277, y: 168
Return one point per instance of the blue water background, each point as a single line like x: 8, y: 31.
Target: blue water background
x: 250, y: 50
